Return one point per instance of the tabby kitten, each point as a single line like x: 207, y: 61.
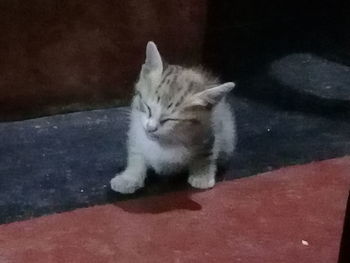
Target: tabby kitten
x: 179, y: 121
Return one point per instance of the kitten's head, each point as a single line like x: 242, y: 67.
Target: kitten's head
x: 174, y: 103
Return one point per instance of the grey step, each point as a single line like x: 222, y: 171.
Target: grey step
x: 308, y: 73
x: 58, y: 163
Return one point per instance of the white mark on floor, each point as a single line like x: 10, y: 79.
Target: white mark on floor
x: 304, y: 242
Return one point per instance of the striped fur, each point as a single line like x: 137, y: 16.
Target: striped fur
x: 179, y: 121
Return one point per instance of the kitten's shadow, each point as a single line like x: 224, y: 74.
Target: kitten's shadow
x: 160, y: 196
x: 160, y: 204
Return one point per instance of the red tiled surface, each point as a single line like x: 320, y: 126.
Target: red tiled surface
x: 258, y: 219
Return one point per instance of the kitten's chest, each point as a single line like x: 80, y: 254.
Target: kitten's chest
x: 164, y: 159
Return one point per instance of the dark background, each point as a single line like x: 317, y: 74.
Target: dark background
x: 58, y: 56
x: 240, y: 31
x: 243, y: 38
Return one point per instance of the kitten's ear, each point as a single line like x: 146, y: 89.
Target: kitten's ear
x: 212, y: 96
x: 153, y: 67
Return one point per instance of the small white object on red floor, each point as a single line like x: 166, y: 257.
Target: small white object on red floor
x: 304, y: 242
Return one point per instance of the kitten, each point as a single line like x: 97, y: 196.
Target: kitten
x: 179, y: 120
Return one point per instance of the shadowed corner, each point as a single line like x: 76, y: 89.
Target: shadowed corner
x: 344, y: 252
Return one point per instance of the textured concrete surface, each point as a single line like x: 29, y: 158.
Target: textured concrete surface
x: 290, y: 215
x: 62, y: 162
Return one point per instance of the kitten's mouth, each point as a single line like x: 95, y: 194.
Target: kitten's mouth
x: 152, y: 136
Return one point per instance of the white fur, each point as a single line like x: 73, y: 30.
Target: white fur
x: 224, y: 128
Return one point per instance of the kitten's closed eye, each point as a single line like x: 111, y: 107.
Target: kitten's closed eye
x: 193, y: 121
x: 143, y: 105
x: 149, y: 111
x: 168, y: 119
x: 145, y: 108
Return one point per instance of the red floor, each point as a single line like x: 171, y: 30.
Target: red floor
x: 264, y: 218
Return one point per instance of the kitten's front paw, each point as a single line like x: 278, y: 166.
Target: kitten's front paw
x: 201, y: 182
x: 126, y: 183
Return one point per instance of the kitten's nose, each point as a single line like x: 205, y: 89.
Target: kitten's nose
x: 151, y: 126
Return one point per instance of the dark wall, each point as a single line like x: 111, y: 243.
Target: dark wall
x: 244, y: 39
x: 242, y: 36
x: 58, y: 55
